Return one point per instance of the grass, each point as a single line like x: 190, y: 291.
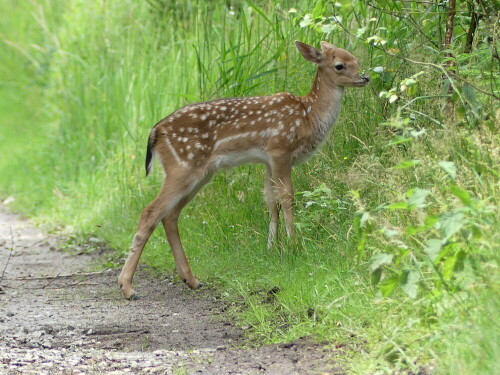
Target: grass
x: 78, y: 102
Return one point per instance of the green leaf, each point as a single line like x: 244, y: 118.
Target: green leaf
x: 461, y: 111
x: 389, y: 233
x: 451, y: 222
x: 380, y: 260
x: 433, y: 247
x: 430, y: 221
x: 416, y: 197
x: 399, y: 139
x: 398, y: 206
x: 376, y: 275
x: 318, y: 9
x: 364, y: 219
x: 407, y: 164
x: 448, y: 267
x: 414, y: 229
x: 409, y: 283
x: 412, y: 90
x: 449, y: 167
x: 360, y: 32
x: 470, y: 94
x: 461, y: 194
x: 459, y: 264
x: 446, y: 250
x: 388, y: 285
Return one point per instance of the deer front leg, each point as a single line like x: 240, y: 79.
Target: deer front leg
x: 273, y: 205
x: 281, y: 176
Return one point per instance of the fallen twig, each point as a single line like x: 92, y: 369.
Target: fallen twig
x: 58, y: 276
x: 10, y: 254
x: 51, y: 281
x: 53, y: 287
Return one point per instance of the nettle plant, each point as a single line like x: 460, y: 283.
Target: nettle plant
x: 319, y: 207
x: 425, y: 242
x: 433, y: 238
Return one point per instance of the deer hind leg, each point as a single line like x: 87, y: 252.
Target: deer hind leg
x: 175, y: 188
x: 273, y: 205
x: 170, y: 224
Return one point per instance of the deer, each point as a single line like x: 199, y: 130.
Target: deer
x: 278, y: 130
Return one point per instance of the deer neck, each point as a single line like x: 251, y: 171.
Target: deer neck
x: 323, y: 103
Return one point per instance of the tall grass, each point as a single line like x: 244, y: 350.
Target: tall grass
x: 83, y: 82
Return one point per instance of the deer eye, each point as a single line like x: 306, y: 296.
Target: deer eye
x: 339, y: 67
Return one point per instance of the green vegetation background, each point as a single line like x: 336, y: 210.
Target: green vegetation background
x: 397, y: 215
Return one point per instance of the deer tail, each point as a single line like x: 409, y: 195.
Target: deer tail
x: 149, y: 150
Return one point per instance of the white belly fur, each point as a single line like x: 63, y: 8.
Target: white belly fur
x: 235, y: 158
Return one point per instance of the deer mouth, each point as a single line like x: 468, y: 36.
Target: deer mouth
x: 363, y: 81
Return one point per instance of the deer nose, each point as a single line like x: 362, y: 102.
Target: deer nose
x: 365, y: 78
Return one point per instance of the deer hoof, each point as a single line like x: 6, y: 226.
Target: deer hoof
x: 133, y: 297
x: 193, y: 284
x: 128, y: 293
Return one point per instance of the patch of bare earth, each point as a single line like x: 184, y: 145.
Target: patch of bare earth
x: 56, y: 317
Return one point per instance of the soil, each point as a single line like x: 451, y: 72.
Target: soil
x: 57, y: 317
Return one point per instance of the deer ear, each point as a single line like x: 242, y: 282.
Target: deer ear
x: 309, y: 52
x: 325, y: 46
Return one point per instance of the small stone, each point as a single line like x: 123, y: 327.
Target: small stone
x: 47, y: 344
x: 38, y: 334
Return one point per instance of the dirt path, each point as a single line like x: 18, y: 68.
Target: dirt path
x: 56, y: 317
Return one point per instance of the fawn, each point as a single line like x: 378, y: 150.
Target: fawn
x: 278, y: 131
